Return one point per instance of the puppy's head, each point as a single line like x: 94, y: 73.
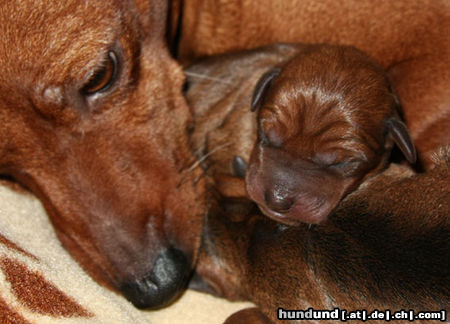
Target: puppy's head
x: 93, y: 121
x: 327, y: 120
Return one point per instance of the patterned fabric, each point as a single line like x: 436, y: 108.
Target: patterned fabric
x: 40, y: 283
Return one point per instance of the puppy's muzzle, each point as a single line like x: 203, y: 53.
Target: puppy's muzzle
x: 278, y: 200
x: 167, y: 280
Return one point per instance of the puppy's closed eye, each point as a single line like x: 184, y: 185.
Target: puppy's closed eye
x: 102, y: 78
x: 346, y: 167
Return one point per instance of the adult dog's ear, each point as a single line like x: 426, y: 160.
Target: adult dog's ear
x: 261, y: 87
x: 399, y: 133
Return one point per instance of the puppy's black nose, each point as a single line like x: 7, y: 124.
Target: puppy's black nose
x: 167, y: 280
x: 278, y: 201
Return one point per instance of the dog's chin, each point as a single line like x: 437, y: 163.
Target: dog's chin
x: 279, y: 217
x: 298, y: 214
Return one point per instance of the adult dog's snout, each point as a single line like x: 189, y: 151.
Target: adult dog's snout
x: 166, y: 281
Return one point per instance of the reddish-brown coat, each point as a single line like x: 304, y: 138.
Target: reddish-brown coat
x: 112, y: 169
x: 408, y: 38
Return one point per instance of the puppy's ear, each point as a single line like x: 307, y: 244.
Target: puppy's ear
x: 261, y: 88
x: 399, y: 132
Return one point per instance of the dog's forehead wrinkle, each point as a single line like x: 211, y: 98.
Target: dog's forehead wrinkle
x: 309, y: 109
x: 350, y: 142
x: 332, y: 125
x: 365, y: 140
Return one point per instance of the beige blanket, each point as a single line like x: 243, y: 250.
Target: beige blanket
x: 41, y: 283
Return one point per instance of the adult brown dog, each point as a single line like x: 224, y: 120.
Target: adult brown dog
x: 93, y: 121
x: 327, y: 121
x: 408, y: 38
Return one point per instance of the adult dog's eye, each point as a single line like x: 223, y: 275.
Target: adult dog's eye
x: 103, y: 77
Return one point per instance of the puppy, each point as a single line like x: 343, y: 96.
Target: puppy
x: 327, y: 121
x: 93, y: 121
x: 407, y: 38
x: 385, y: 247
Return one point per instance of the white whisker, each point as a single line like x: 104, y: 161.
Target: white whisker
x: 204, y: 157
x: 202, y: 76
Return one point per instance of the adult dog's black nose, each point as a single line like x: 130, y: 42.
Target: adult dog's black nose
x: 167, y: 280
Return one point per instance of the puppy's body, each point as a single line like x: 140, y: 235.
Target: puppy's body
x: 408, y: 38
x: 386, y: 247
x: 325, y: 123
x: 93, y: 121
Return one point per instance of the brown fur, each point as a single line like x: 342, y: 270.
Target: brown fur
x: 325, y: 123
x: 112, y: 168
x: 386, y: 247
x: 248, y: 316
x: 408, y: 38
x: 219, y: 93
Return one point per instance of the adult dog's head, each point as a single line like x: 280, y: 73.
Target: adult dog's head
x: 93, y: 121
